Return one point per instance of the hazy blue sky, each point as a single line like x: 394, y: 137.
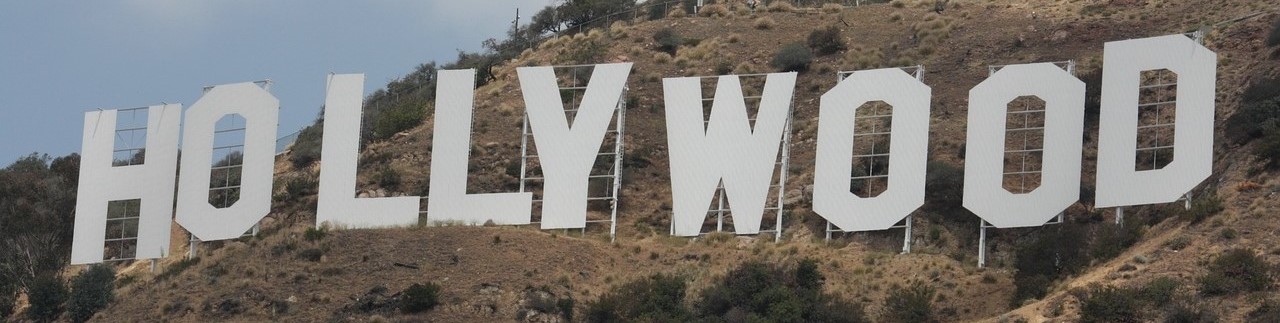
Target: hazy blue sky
x: 60, y: 58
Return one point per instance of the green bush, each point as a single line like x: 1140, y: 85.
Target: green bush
x: 1274, y: 38
x: 1159, y: 291
x: 46, y: 296
x: 306, y: 149
x: 176, y: 268
x: 944, y: 190
x: 1269, y: 311
x: 793, y: 58
x: 657, y: 12
x: 826, y: 41
x: 420, y: 298
x: 388, y: 178
x: 1252, y: 120
x: 1110, y: 239
x: 565, y: 307
x: 315, y: 234
x: 1234, y: 271
x: 6, y: 305
x: 1110, y: 304
x: 658, y: 298
x: 312, y: 254
x: 913, y: 303
x: 668, y: 40
x: 753, y: 291
x: 402, y: 116
x: 91, y: 291
x: 1051, y: 254
x: 299, y: 186
x: 1269, y: 148
x: 1181, y: 312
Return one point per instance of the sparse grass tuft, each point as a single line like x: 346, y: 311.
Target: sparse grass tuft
x: 781, y: 6
x: 714, y: 10
x: 764, y: 23
x: 661, y: 58
x: 677, y: 13
x: 832, y: 8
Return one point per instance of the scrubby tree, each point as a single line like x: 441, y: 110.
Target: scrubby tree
x: 46, y: 295
x: 37, y: 209
x: 913, y: 303
x: 91, y: 291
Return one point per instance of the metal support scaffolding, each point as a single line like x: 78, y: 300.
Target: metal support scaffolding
x: 571, y: 84
x: 1030, y: 147
x: 722, y: 207
x: 875, y: 118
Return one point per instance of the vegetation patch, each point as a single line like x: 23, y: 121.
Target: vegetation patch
x: 793, y: 58
x: 420, y: 298
x: 827, y: 40
x: 91, y: 291
x: 1236, y: 271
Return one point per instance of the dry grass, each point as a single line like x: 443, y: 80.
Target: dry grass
x: 714, y: 10
x: 661, y: 58
x: 677, y: 13
x: 764, y: 23
x: 880, y: 43
x: 781, y: 6
x: 832, y: 8
x: 861, y: 58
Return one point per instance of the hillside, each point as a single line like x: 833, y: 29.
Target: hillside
x: 521, y: 273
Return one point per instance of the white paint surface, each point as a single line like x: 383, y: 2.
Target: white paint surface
x: 1118, y: 183
x: 338, y: 160
x: 727, y: 149
x: 261, y: 111
x: 151, y: 182
x: 984, y: 193
x: 451, y: 148
x: 568, y: 152
x: 908, y: 149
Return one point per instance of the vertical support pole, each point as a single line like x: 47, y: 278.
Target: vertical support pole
x: 828, y: 231
x: 720, y: 208
x: 191, y: 250
x: 906, y: 239
x: 617, y: 166
x: 153, y: 265
x: 1120, y: 215
x: 782, y: 172
x: 1187, y: 198
x: 982, y: 244
x: 524, y: 149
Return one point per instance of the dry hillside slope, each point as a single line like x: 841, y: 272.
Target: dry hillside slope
x: 518, y: 273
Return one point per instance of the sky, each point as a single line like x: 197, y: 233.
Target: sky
x: 61, y: 58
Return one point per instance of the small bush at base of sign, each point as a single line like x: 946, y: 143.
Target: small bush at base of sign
x: 91, y: 291
x: 420, y: 298
x: 46, y: 296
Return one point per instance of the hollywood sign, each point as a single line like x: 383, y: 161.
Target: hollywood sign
x: 728, y: 149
